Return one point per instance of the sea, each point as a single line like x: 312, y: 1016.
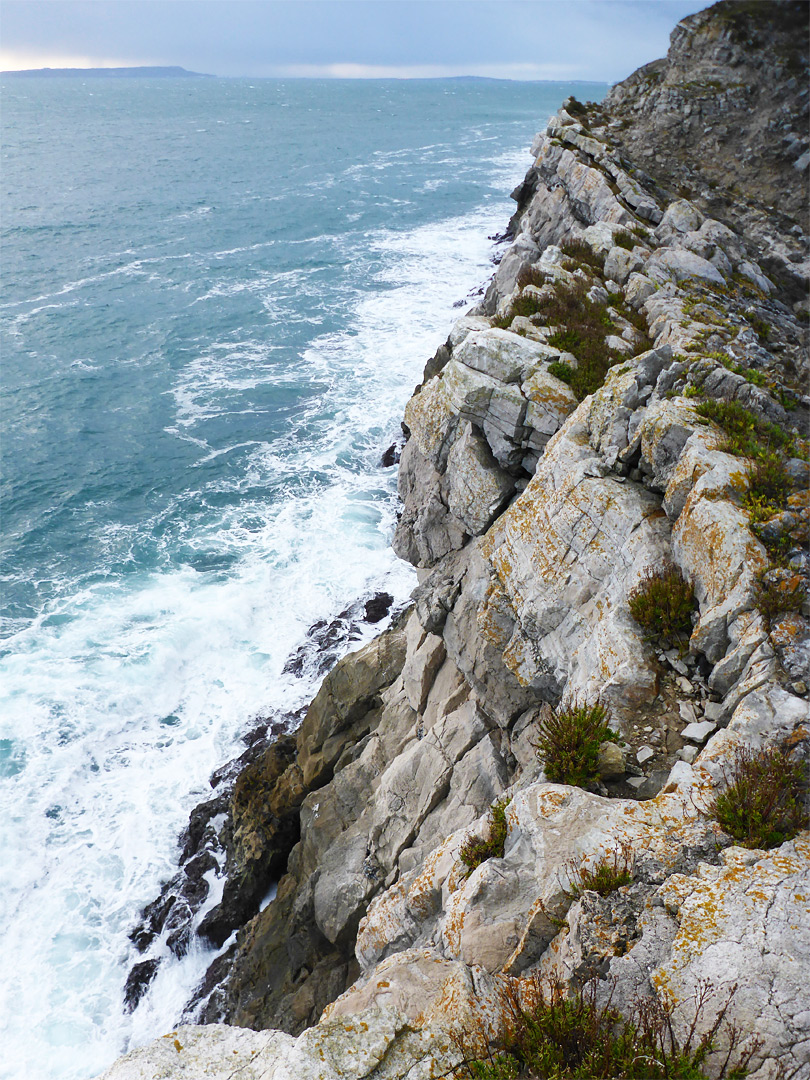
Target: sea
x: 217, y: 296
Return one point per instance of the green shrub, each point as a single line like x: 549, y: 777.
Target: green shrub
x: 769, y: 485
x: 759, y: 326
x: 765, y: 802
x: 778, y: 592
x: 560, y: 370
x: 662, y: 604
x: 529, y: 274
x: 624, y: 239
x: 606, y: 875
x: 583, y: 254
x: 544, y: 1033
x: 569, y: 741
x: 747, y: 434
x: 474, y: 851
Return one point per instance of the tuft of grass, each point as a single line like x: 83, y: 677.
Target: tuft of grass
x: 662, y: 604
x: 759, y: 326
x: 584, y: 255
x: 747, y: 435
x: 543, y: 1032
x: 529, y: 274
x: 569, y: 741
x: 560, y: 370
x: 778, y: 593
x: 769, y: 485
x: 624, y: 239
x: 474, y: 851
x: 606, y: 875
x: 765, y: 801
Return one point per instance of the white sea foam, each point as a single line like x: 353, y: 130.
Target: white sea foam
x: 123, y: 698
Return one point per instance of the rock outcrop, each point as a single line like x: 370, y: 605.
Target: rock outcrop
x: 596, y: 418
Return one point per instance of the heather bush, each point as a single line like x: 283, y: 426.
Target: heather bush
x: 662, y: 604
x: 765, y: 801
x: 543, y: 1032
x: 569, y: 741
x: 605, y: 876
x: 474, y: 851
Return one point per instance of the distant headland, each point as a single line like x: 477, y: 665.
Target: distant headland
x: 108, y: 73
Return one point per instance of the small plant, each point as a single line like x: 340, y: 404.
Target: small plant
x: 760, y: 327
x: 765, y: 801
x: 769, y: 485
x: 640, y: 232
x: 583, y: 254
x: 778, y: 593
x: 662, y: 604
x: 569, y: 741
x: 624, y: 239
x: 692, y: 391
x: 529, y: 274
x: 561, y: 370
x: 747, y: 435
x: 543, y: 1032
x: 474, y: 851
x: 606, y: 875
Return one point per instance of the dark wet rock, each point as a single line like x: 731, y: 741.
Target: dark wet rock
x: 378, y: 607
x: 138, y: 982
x: 391, y: 456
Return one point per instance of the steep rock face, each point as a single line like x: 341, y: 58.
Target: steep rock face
x: 539, y: 489
x: 725, y: 117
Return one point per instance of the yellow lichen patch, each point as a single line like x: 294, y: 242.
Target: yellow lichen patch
x: 702, y: 902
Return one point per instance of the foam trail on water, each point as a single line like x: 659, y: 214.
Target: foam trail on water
x: 124, y: 696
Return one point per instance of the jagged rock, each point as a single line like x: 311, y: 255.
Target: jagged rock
x: 507, y: 357
x: 611, y: 761
x: 680, y: 264
x: 573, y: 544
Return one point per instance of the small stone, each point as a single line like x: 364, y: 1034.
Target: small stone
x: 635, y: 782
x: 633, y: 770
x: 799, y: 687
x: 611, y: 761
x: 713, y: 710
x: 676, y: 663
x: 648, y: 728
x: 687, y: 711
x: 687, y: 754
x: 684, y: 685
x: 680, y: 773
x: 644, y: 754
x: 699, y: 733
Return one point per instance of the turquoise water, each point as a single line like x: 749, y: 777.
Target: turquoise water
x: 217, y: 297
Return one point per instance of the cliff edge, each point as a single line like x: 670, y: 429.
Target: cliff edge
x: 540, y: 778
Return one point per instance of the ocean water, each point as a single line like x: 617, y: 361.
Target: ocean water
x: 217, y: 296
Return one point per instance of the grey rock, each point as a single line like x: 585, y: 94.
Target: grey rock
x: 644, y: 754
x: 699, y: 732
x: 611, y: 761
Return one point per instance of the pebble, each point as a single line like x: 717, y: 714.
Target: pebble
x: 713, y: 710
x: 680, y: 773
x: 644, y: 754
x: 699, y: 733
x: 799, y: 687
x: 647, y: 729
x: 635, y: 781
x: 684, y: 685
x: 687, y: 711
x: 676, y: 663
x: 687, y: 754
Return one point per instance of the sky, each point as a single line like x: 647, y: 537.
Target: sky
x: 602, y: 40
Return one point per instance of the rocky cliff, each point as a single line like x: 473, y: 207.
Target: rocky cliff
x: 626, y: 406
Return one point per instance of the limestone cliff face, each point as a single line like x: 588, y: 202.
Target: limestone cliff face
x: 538, y: 490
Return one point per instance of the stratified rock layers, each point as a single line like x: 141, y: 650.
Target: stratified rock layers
x: 532, y: 515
